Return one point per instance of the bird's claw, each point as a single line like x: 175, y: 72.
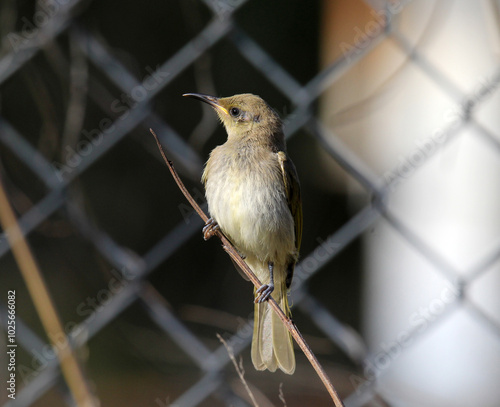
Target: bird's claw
x: 211, y: 227
x: 264, y: 292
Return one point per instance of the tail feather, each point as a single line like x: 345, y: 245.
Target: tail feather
x: 272, y: 345
x: 282, y: 340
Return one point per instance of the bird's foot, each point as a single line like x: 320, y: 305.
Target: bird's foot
x: 210, y: 228
x: 264, y: 292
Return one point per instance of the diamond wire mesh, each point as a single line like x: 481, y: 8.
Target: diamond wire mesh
x: 110, y: 75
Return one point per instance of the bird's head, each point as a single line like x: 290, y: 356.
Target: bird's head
x: 244, y: 114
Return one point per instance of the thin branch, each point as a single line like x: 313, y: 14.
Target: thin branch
x: 239, y: 369
x: 229, y: 248
x: 281, y: 395
x: 70, y: 369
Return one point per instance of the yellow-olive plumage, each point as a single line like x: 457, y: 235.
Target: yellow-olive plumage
x: 253, y: 195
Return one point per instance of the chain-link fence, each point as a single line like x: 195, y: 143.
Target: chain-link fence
x: 121, y: 250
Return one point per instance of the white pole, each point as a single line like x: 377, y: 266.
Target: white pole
x: 428, y: 348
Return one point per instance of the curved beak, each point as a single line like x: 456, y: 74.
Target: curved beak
x: 211, y: 100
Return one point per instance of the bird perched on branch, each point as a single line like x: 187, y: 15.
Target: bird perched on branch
x: 253, y: 196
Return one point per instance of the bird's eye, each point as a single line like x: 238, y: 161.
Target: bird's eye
x: 234, y: 111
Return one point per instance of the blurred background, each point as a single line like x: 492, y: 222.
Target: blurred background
x: 390, y: 110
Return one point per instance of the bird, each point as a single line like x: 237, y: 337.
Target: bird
x: 253, y: 195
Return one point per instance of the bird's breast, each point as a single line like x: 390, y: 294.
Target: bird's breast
x: 246, y: 196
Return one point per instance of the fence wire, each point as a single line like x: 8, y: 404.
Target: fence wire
x: 108, y: 76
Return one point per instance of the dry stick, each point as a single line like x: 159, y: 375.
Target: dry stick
x: 281, y: 395
x: 229, y: 248
x: 44, y: 306
x: 239, y: 370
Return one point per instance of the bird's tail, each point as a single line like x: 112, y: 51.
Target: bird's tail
x: 272, y: 345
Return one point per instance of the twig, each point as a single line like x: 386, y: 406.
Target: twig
x: 229, y: 248
x: 239, y: 369
x: 282, y: 396
x: 44, y: 306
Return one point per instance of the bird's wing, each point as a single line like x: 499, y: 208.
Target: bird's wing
x: 292, y: 189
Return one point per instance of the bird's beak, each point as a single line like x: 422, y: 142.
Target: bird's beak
x: 211, y: 100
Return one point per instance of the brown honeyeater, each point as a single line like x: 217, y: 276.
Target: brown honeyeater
x: 253, y: 196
